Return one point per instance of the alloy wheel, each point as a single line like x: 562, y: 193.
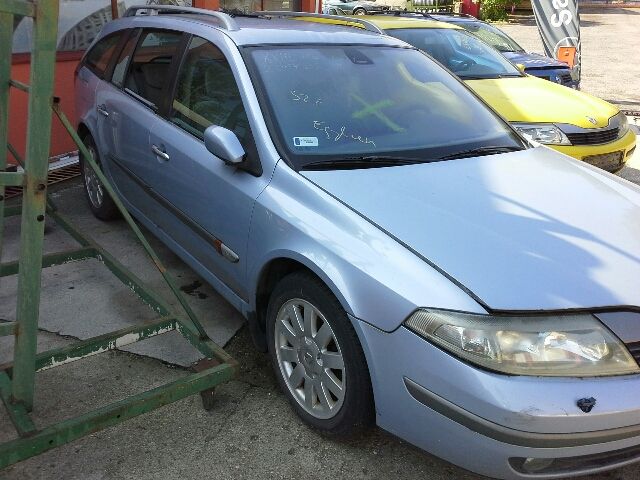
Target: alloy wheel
x: 310, y: 358
x: 92, y: 182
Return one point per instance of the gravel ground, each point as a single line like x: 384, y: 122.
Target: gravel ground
x: 610, y: 55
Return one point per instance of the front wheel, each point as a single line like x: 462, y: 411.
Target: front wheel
x: 317, y: 356
x: 359, y: 11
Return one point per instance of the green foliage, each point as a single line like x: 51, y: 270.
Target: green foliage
x: 494, y: 9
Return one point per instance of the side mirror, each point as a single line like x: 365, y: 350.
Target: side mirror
x: 224, y: 144
x: 520, y: 67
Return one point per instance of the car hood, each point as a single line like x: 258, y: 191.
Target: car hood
x: 530, y: 230
x: 534, y: 60
x: 531, y: 99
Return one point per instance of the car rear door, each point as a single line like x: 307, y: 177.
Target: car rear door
x: 127, y: 107
x: 209, y: 202
x: 90, y: 72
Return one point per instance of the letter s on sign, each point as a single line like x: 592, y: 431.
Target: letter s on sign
x: 562, y: 19
x: 560, y: 4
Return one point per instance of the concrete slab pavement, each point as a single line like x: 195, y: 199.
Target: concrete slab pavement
x: 83, y: 299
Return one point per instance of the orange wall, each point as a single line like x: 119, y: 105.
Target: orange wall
x: 66, y: 64
x: 61, y: 142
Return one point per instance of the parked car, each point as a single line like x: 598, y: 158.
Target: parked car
x: 332, y: 10
x: 356, y: 7
x: 570, y: 121
x: 469, y: 292
x: 534, y: 64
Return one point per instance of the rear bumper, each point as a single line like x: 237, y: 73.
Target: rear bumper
x: 491, y: 423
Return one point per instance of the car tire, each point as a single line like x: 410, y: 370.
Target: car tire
x: 100, y: 202
x: 317, y: 357
x: 359, y: 11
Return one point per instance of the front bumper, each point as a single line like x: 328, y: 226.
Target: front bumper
x: 490, y: 423
x: 601, y: 155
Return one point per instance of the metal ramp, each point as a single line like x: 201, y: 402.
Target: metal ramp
x: 17, y: 379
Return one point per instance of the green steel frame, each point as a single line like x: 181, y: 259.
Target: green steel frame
x: 17, y: 378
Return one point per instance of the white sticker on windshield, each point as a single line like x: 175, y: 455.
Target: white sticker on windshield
x: 305, y: 141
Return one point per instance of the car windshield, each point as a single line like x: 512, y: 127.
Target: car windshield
x: 339, y: 103
x: 463, y: 54
x: 492, y: 36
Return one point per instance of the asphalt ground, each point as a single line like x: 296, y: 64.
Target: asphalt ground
x: 251, y: 432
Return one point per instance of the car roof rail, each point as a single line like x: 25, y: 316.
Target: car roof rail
x: 368, y: 26
x: 228, y: 23
x: 455, y: 14
x: 403, y: 13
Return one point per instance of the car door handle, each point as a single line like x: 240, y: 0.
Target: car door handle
x: 102, y: 110
x: 160, y: 153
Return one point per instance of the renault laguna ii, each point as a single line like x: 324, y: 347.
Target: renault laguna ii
x: 468, y: 292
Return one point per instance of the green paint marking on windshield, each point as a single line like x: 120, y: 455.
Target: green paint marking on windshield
x: 374, y: 109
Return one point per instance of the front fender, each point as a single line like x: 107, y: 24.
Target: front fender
x: 374, y: 277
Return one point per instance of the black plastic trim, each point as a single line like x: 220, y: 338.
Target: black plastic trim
x: 184, y: 218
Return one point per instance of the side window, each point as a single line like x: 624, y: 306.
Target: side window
x: 120, y: 68
x: 207, y: 94
x: 149, y: 69
x: 98, y: 57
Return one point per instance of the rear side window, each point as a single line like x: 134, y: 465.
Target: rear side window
x: 98, y: 57
x: 149, y: 70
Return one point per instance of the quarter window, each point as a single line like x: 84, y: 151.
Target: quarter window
x: 120, y: 68
x: 149, y: 70
x: 98, y: 57
x: 207, y: 93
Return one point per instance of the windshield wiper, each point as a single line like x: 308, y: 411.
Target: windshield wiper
x: 479, y: 152
x: 352, y: 163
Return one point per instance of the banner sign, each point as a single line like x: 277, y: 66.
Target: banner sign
x: 559, y: 26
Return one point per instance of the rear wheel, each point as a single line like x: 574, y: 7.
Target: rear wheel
x: 317, y: 356
x: 99, y: 200
x: 359, y: 11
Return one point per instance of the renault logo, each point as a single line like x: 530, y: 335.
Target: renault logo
x: 592, y: 120
x: 586, y: 404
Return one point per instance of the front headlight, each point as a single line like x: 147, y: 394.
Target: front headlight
x: 556, y: 345
x: 623, y: 124
x: 545, y: 133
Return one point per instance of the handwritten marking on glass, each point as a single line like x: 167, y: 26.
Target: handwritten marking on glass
x: 341, y: 133
x: 304, y: 98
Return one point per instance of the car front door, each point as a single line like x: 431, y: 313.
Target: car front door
x: 127, y: 107
x: 208, y: 202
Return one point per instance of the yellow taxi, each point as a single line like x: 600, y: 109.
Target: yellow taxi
x: 567, y: 120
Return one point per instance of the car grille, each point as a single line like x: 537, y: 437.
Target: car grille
x: 546, y: 74
x: 634, y: 350
x: 593, y: 137
x: 565, y: 78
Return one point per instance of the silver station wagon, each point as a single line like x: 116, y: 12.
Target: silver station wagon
x: 405, y: 257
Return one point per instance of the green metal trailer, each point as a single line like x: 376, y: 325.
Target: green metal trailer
x: 17, y: 379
